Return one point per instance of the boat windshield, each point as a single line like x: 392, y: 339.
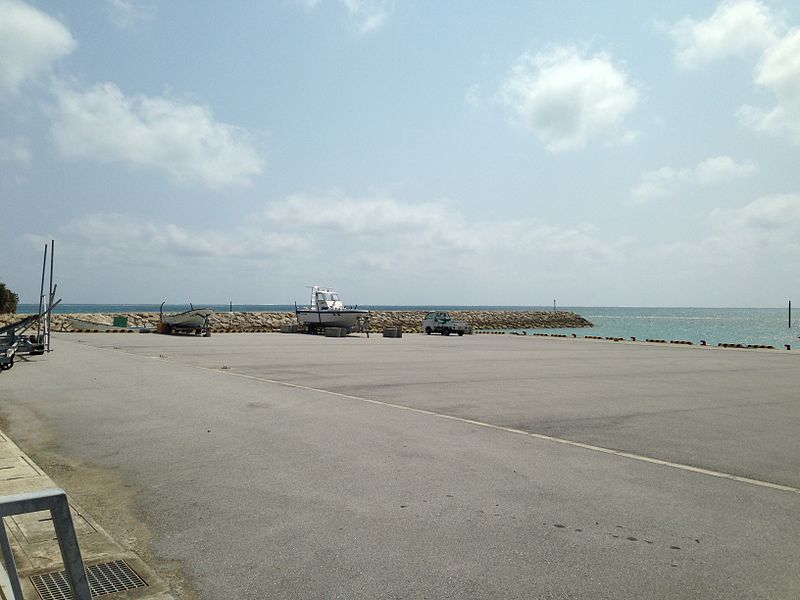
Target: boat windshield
x: 325, y: 299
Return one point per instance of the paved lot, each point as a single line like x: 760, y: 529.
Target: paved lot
x: 288, y: 466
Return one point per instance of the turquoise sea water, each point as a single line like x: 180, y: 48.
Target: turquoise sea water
x: 765, y: 326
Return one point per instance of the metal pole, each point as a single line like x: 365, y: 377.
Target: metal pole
x: 52, y: 292
x: 51, y: 306
x: 41, y: 295
x: 70, y: 551
x: 11, y: 566
x: 790, y: 314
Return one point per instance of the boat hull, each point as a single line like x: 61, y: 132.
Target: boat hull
x: 79, y: 324
x: 331, y: 318
x: 191, y: 319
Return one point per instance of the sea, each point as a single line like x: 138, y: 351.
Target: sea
x: 758, y: 326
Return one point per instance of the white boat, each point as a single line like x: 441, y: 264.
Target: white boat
x: 195, y: 318
x: 83, y: 325
x: 326, y: 310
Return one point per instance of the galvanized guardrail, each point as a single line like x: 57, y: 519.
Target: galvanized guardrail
x: 54, y: 500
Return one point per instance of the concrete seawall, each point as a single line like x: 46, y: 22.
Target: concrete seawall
x: 410, y: 321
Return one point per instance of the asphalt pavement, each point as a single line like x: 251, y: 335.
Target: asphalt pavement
x: 295, y: 466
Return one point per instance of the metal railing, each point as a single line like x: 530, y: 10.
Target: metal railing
x: 54, y: 500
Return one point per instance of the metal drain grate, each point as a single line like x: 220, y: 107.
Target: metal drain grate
x: 104, y: 578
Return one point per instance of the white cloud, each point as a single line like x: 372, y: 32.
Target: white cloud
x: 368, y: 15
x: 715, y: 170
x: 396, y: 249
x: 383, y: 237
x: 659, y: 183
x: 625, y: 139
x: 567, y: 99
x: 121, y: 239
x: 736, y: 27
x: 182, y: 139
x: 410, y: 235
x: 723, y: 169
x: 779, y: 71
x: 128, y: 14
x: 30, y: 42
x: 741, y: 26
x: 578, y: 244
x: 745, y: 256
x: 770, y: 219
x: 309, y: 5
x: 337, y: 213
x: 15, y: 150
x: 755, y: 234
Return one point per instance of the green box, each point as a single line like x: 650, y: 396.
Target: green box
x: 120, y: 321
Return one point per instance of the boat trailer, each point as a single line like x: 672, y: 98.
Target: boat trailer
x: 13, y: 341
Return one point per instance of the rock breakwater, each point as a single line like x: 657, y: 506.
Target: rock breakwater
x: 409, y: 320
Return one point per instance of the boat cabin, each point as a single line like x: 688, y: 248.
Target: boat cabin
x: 325, y: 299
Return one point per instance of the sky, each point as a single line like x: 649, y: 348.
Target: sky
x: 403, y: 152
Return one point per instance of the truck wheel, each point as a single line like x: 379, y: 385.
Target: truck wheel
x: 460, y: 333
x: 428, y: 330
x: 446, y: 331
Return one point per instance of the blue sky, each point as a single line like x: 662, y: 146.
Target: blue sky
x: 404, y: 152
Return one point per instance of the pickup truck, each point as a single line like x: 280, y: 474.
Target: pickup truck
x: 441, y: 322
